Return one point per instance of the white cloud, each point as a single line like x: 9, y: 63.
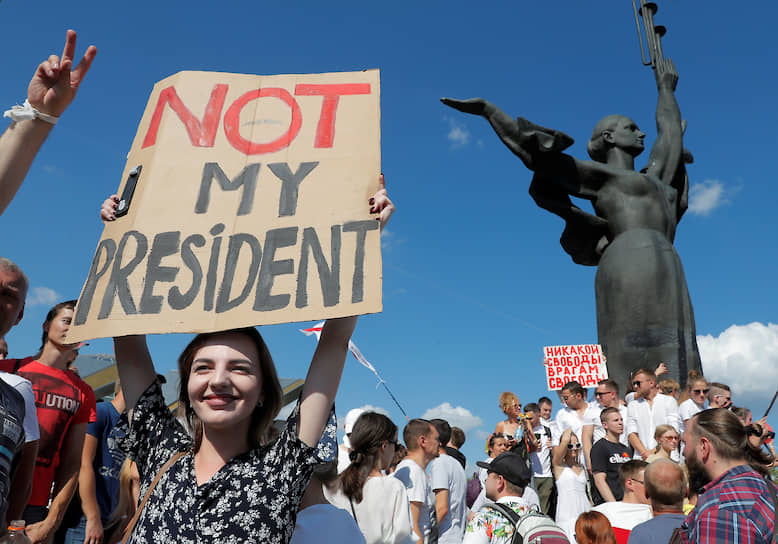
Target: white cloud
x: 377, y: 409
x: 744, y: 357
x: 43, y: 296
x: 456, y: 417
x: 387, y: 237
x: 706, y: 196
x: 458, y: 135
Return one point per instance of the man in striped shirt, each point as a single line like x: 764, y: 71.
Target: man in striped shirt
x: 736, y: 505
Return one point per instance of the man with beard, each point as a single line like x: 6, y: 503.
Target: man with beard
x: 737, y: 504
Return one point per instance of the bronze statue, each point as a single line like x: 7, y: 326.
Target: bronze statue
x: 644, y: 314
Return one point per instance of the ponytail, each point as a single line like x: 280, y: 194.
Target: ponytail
x: 369, y: 433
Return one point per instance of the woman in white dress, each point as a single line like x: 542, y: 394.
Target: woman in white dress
x: 571, y: 482
x: 379, y: 503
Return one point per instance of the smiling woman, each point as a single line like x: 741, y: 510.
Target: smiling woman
x: 230, y: 483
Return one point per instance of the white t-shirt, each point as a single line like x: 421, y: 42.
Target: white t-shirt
x: 625, y: 515
x: 417, y: 487
x: 567, y: 418
x: 383, y: 515
x: 643, y: 418
x: 446, y: 473
x: 327, y: 524
x: 592, y: 417
x: 24, y: 387
x: 541, y: 460
x: 688, y: 409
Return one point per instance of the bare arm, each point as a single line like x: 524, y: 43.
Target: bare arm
x: 603, y: 487
x: 64, y: 484
x: 415, y: 514
x: 587, y: 435
x: 636, y: 443
x: 667, y: 154
x: 88, y: 493
x: 21, y: 484
x: 558, y: 460
x: 441, y: 504
x: 52, y: 88
x: 136, y: 370
x: 321, y: 383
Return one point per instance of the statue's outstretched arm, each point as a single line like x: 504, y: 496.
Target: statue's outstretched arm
x: 503, y: 124
x: 667, y: 154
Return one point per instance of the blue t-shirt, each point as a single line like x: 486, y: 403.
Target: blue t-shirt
x: 658, y: 529
x: 108, y: 458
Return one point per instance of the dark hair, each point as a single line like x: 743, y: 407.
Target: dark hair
x: 545, y: 400
x: 490, y: 442
x: 606, y: 411
x: 400, y: 453
x: 262, y: 416
x: 630, y: 469
x: 457, y: 437
x: 326, y: 472
x: 741, y: 412
x: 370, y: 431
x: 574, y: 388
x: 52, y: 315
x: 667, y: 489
x: 532, y: 407
x: 610, y: 384
x: 414, y: 429
x: 444, y: 430
x: 594, y: 528
x: 729, y: 437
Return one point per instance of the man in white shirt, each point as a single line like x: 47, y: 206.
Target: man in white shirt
x: 649, y: 409
x: 540, y: 459
x: 449, y: 484
x: 545, y: 405
x: 423, y: 443
x: 635, y: 507
x: 606, y: 395
x: 571, y: 415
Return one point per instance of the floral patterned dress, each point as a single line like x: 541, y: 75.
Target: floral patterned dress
x: 253, y: 498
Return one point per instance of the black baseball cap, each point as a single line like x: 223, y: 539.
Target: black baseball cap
x: 510, y: 466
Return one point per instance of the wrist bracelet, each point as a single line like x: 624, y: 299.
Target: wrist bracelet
x: 26, y: 112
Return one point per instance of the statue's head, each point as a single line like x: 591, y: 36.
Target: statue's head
x: 615, y: 131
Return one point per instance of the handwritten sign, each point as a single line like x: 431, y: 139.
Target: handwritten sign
x: 583, y: 363
x: 244, y: 202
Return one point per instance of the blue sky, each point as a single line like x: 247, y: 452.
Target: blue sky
x: 475, y: 282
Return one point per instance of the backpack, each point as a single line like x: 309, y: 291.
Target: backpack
x: 473, y: 490
x: 533, y: 527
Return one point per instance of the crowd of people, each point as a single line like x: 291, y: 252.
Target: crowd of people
x: 634, y: 469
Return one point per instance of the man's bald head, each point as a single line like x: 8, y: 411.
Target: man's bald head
x: 13, y: 293
x: 665, y: 485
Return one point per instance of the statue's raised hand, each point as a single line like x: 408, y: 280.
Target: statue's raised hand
x: 475, y: 106
x: 666, y: 75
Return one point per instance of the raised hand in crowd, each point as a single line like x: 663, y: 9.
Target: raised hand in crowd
x: 51, y: 90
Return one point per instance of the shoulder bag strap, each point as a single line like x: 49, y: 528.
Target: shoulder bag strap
x: 354, y: 513
x: 771, y: 488
x: 508, y: 512
x: 131, y: 525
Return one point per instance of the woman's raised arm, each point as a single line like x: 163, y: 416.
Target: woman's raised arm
x: 321, y: 383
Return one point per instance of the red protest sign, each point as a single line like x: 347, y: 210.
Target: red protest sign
x: 583, y: 363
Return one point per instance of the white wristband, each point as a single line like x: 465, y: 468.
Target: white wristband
x: 26, y: 112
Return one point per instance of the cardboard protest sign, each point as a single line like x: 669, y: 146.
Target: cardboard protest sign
x: 583, y: 363
x: 244, y: 201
